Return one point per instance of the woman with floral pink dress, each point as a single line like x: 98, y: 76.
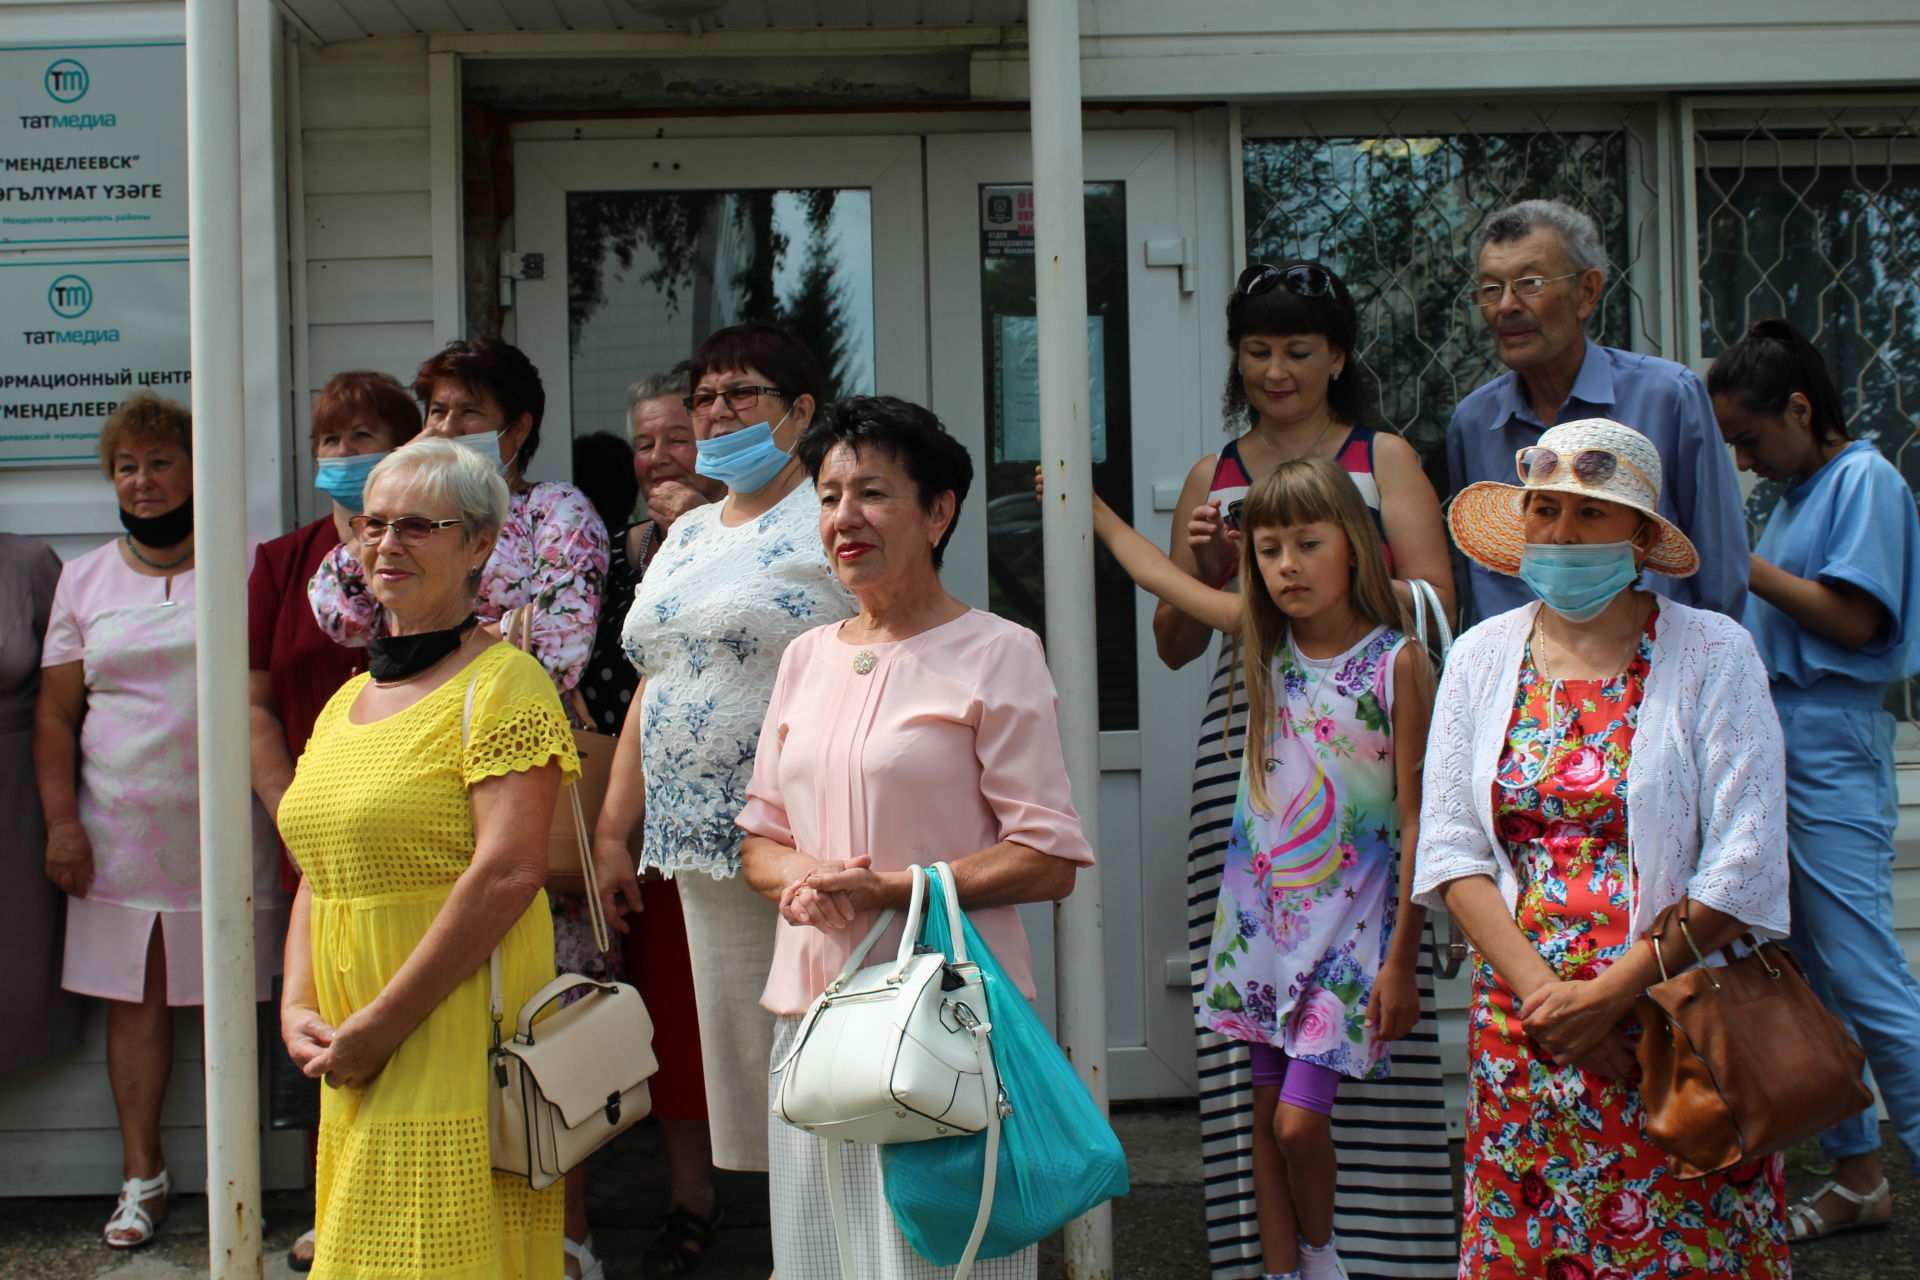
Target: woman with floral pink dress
x: 116, y: 758
x: 1595, y: 758
x: 551, y: 560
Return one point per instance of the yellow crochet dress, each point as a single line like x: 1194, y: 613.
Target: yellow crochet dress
x: 379, y: 820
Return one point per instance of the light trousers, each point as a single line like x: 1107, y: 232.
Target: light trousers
x: 1841, y: 811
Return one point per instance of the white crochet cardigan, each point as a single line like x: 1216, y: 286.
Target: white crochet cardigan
x: 1706, y: 816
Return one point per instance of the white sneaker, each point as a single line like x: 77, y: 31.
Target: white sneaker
x: 1320, y: 1262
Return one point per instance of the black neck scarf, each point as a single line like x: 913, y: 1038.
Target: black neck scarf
x: 392, y: 658
x: 168, y: 529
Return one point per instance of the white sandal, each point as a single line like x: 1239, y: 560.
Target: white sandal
x: 1804, y: 1222
x: 132, y: 1220
x: 582, y: 1255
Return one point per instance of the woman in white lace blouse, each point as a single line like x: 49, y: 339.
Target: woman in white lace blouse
x: 1595, y: 758
x: 733, y: 584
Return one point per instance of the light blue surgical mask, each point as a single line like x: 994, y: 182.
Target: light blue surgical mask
x: 345, y: 479
x: 487, y: 445
x: 1579, y: 580
x: 745, y: 460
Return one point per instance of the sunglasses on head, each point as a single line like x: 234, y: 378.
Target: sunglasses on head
x: 1302, y: 280
x: 1591, y: 467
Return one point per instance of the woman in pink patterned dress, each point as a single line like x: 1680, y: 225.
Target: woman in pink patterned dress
x: 1595, y: 758
x: 116, y: 759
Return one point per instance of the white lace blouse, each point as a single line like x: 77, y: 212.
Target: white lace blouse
x: 709, y: 622
x: 1706, y: 814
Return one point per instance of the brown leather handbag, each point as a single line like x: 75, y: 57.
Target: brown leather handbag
x: 1740, y: 1060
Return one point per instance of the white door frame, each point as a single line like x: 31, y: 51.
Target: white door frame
x: 890, y: 167
x: 1143, y: 803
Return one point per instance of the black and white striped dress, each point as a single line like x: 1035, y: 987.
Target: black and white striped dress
x: 1393, y: 1206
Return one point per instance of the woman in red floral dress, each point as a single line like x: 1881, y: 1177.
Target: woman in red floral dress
x: 1605, y: 755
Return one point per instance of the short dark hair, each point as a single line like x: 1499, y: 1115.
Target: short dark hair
x: 499, y: 369
x: 1768, y: 365
x: 777, y: 355
x: 910, y: 435
x: 144, y: 417
x: 1280, y: 311
x: 603, y: 470
x: 362, y: 393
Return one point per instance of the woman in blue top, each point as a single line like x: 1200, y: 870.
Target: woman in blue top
x: 1835, y: 612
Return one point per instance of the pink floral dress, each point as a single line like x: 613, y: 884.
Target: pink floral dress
x: 1308, y: 895
x: 1561, y: 1182
x: 552, y: 555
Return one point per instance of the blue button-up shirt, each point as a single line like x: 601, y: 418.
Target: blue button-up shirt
x: 1662, y: 400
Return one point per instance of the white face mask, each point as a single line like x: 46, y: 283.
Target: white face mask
x: 487, y: 445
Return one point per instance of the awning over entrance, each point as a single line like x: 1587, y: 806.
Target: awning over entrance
x: 329, y: 21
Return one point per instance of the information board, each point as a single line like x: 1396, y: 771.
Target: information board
x: 93, y: 143
x: 78, y: 338
x: 1016, y: 386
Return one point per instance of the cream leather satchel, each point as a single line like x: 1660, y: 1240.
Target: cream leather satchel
x: 561, y: 1088
x: 892, y: 1052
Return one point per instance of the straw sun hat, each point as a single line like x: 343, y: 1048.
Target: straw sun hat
x: 1486, y: 519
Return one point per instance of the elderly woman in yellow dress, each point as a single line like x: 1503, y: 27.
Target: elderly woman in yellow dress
x: 419, y: 818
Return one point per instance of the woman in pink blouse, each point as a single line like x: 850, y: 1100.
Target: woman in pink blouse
x: 918, y: 731
x: 117, y: 764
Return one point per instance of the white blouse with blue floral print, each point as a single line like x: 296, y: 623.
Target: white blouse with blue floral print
x: 716, y: 610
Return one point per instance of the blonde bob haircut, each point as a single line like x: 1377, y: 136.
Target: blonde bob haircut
x: 144, y: 418
x: 452, y: 474
x: 1310, y: 490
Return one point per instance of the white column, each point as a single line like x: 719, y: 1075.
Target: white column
x: 1066, y: 525
x: 220, y: 572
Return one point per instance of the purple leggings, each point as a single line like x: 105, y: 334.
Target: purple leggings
x: 1302, y: 1084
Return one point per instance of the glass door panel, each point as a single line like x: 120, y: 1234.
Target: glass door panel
x: 1014, y: 558
x: 651, y: 273
x: 650, y: 245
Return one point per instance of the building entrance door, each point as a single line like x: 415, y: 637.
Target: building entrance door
x: 906, y: 263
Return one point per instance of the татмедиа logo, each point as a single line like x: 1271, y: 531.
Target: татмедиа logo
x: 70, y: 297
x: 67, y: 81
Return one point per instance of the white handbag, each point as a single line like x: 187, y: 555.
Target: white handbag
x: 562, y: 1088
x: 898, y: 1052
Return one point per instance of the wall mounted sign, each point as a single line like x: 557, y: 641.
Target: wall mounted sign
x: 78, y: 338
x: 93, y: 143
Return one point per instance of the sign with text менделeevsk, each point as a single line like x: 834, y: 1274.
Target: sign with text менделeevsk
x: 78, y: 338
x: 93, y: 143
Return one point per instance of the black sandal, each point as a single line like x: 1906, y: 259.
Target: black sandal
x: 681, y: 1243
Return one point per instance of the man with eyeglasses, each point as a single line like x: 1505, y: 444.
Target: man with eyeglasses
x: 1541, y: 272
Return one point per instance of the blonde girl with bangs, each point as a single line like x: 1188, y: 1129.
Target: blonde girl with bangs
x: 1315, y: 941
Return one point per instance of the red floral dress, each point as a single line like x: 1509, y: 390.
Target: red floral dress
x: 1561, y: 1183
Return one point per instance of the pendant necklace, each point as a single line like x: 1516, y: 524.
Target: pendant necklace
x: 1315, y: 444
x: 153, y: 564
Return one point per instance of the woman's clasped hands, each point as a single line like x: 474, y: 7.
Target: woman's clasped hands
x: 345, y: 1057
x: 830, y: 895
x: 1578, y: 1023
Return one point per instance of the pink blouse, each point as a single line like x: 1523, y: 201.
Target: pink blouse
x: 949, y: 745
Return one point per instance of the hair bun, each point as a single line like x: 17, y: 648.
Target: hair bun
x: 1775, y: 329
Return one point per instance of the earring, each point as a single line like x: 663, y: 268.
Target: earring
x: 1337, y: 373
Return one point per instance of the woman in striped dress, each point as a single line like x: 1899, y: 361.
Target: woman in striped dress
x: 1296, y: 389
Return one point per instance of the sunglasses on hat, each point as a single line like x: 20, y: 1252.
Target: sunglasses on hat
x: 1591, y: 467
x: 1302, y: 279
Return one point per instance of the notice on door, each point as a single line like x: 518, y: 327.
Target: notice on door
x: 1006, y: 222
x: 1016, y: 385
x: 79, y: 338
x: 93, y: 143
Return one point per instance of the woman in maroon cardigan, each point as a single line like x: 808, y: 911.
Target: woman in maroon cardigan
x: 294, y: 668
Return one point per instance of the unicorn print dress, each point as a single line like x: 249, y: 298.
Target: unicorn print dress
x: 1310, y: 889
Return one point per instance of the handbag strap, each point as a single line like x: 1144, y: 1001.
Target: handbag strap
x: 1426, y: 604
x: 950, y: 891
x: 982, y: 1031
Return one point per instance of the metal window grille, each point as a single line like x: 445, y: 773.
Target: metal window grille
x: 1389, y: 197
x: 1811, y: 210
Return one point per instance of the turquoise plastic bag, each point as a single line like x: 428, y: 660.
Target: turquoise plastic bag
x: 1058, y: 1155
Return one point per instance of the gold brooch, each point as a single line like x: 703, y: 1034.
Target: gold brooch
x: 864, y: 662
